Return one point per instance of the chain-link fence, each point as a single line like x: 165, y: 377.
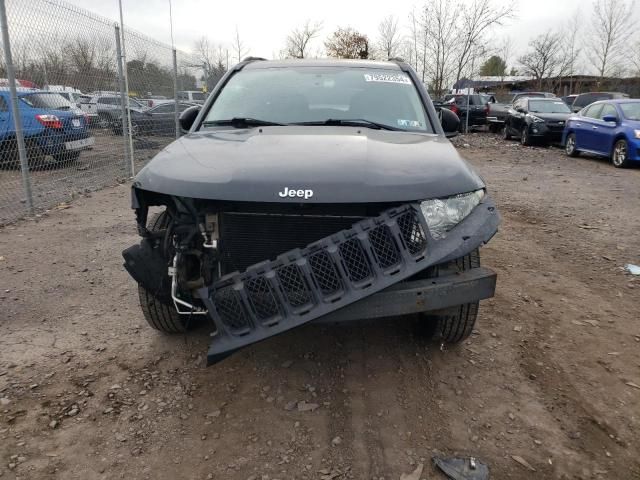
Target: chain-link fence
x: 71, y: 126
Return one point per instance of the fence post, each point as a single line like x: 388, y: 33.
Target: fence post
x: 121, y: 87
x: 126, y: 88
x: 15, y: 111
x: 175, y: 93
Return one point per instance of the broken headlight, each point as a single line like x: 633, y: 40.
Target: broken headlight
x: 445, y: 213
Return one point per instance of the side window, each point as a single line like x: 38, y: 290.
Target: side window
x: 164, y: 108
x: 593, y: 111
x: 608, y: 109
x: 3, y: 105
x: 183, y: 96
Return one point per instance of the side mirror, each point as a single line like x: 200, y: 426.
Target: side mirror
x: 450, y: 122
x: 610, y: 118
x: 188, y: 116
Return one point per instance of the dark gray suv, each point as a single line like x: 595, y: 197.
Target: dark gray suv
x: 311, y: 190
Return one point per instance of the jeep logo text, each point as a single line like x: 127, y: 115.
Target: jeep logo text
x: 290, y: 192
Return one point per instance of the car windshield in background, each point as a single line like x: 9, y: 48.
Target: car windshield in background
x: 322, y: 94
x: 546, y: 106
x: 52, y: 101
x: 473, y: 99
x: 631, y: 111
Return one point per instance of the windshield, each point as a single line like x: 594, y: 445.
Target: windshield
x: 318, y: 94
x: 53, y: 101
x: 545, y: 106
x: 631, y: 111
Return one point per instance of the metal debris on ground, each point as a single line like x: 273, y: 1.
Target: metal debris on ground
x: 415, y: 475
x: 462, y: 468
x: 523, y: 462
x: 632, y: 269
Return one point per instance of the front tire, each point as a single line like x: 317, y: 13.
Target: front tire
x: 160, y: 315
x: 66, y: 159
x: 570, y: 146
x: 104, y: 121
x: 620, y: 154
x: 525, y: 140
x: 506, y: 135
x: 458, y: 324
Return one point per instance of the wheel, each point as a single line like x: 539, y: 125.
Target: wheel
x: 103, y: 120
x: 36, y: 158
x: 9, y: 155
x: 458, y: 324
x: 620, y: 154
x: 505, y: 132
x: 66, y: 159
x: 570, y: 146
x: 159, y: 315
x: 524, y: 137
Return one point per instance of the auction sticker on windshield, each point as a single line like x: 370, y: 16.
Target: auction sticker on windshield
x: 387, y: 78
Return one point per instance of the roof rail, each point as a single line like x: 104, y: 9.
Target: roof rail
x: 396, y: 60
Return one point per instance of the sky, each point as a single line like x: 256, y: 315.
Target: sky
x: 264, y: 25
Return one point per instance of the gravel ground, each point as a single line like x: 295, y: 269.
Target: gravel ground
x: 547, y: 387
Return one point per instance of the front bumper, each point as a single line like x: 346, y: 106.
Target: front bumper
x: 543, y: 132
x: 417, y: 296
x: 355, y: 273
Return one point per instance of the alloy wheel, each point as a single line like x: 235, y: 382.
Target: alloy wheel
x: 620, y: 153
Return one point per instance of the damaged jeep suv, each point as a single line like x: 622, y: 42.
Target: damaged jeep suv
x: 311, y: 190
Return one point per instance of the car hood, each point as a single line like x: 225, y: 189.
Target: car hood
x: 338, y: 164
x: 553, y: 117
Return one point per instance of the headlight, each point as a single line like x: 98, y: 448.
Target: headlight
x: 535, y: 119
x: 637, y: 133
x: 444, y: 214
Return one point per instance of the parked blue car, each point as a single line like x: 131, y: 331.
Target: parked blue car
x: 52, y: 127
x: 609, y: 128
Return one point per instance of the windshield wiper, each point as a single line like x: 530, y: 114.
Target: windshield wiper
x: 351, y: 122
x: 242, y: 122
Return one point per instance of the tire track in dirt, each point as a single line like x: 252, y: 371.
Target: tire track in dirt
x: 574, y: 413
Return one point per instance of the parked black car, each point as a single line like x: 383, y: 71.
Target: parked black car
x: 303, y: 190
x: 477, y: 108
x: 499, y: 105
x: 536, y: 119
x: 569, y: 99
x: 585, y: 99
x: 159, y: 120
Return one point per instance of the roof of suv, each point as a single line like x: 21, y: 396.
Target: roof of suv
x: 321, y: 62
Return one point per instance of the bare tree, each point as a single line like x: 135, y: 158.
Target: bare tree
x: 347, y: 43
x: 389, y: 40
x: 475, y: 19
x: 635, y: 59
x: 239, y: 47
x: 571, y: 47
x: 437, y: 48
x: 298, y: 41
x: 543, y: 59
x: 611, y: 26
x: 211, y: 59
x: 505, y: 51
x: 413, y: 41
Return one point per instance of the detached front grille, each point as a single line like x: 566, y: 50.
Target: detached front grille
x: 305, y: 283
x: 248, y: 238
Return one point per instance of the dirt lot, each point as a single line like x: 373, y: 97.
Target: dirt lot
x: 552, y: 374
